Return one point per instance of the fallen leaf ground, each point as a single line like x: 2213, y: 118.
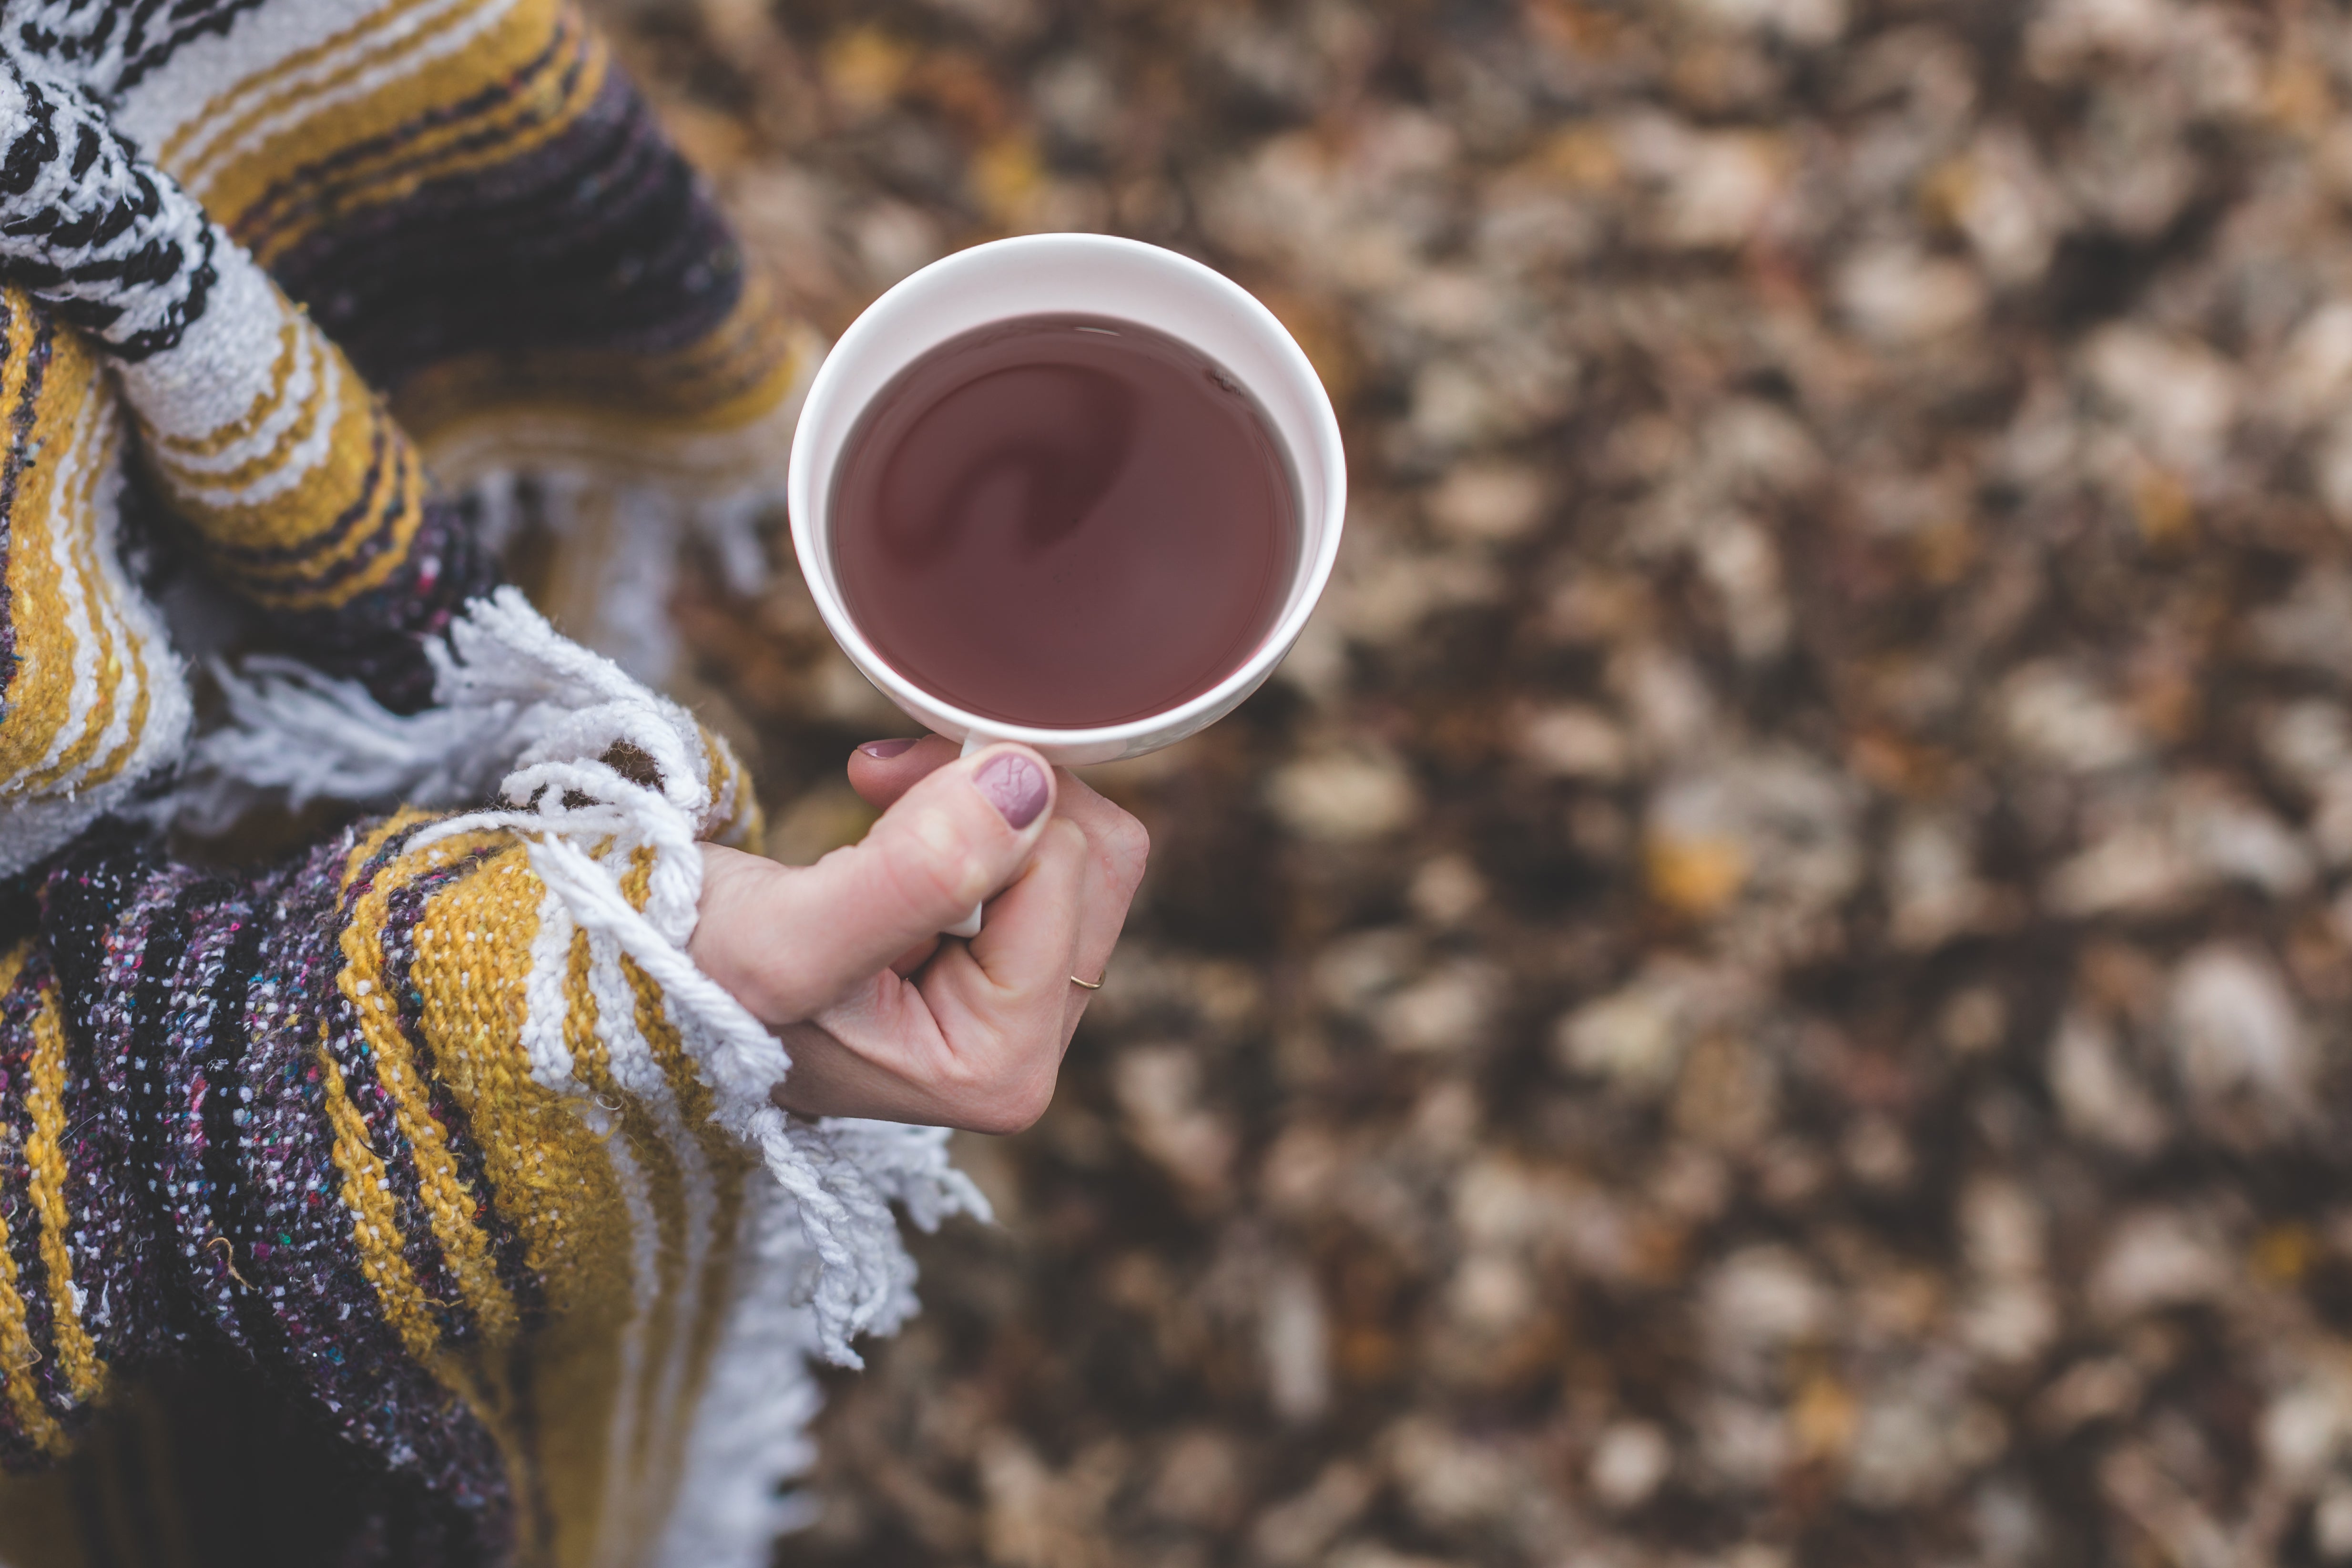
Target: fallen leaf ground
x: 1769, y: 985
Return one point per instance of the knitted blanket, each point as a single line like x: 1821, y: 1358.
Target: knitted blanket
x: 415, y: 1200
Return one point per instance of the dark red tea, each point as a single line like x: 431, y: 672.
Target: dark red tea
x: 1064, y: 521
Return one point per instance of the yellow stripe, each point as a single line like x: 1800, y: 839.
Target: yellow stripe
x: 420, y: 155
x: 542, y: 1159
x: 375, y: 1227
x: 582, y: 1395
x: 653, y: 1421
x: 448, y: 1205
x: 18, y: 1355
x: 293, y: 514
x: 348, y: 478
x: 281, y: 376
x: 580, y: 1014
x: 77, y: 512
x: 222, y: 103
x: 472, y: 969
x: 45, y: 1161
x: 735, y: 375
x: 142, y: 689
x: 331, y: 377
x: 41, y: 693
x: 376, y: 1224
x: 74, y: 419
x: 396, y: 113
x: 728, y: 1164
x: 394, y: 532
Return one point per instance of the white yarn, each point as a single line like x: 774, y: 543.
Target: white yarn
x: 633, y: 590
x: 115, y: 234
x: 294, y: 731
x: 545, y: 1007
x: 527, y: 719
x: 39, y: 820
x: 508, y: 691
x: 520, y: 700
x: 751, y: 1432
x: 842, y: 1173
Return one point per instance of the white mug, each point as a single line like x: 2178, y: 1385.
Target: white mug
x: 1070, y: 273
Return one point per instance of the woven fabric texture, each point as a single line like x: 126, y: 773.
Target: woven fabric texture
x: 415, y: 1199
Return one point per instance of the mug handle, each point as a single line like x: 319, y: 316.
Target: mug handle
x: 969, y: 925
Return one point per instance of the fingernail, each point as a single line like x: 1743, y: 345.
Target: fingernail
x: 1015, y: 786
x: 883, y: 750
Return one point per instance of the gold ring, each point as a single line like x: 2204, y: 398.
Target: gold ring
x: 1090, y: 984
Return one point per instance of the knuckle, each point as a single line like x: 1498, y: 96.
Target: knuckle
x: 1127, y: 846
x: 1014, y: 1108
x: 1004, y: 1087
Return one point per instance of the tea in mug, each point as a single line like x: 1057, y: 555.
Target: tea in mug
x: 1065, y: 522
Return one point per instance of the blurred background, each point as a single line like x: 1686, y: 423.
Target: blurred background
x: 1768, y: 985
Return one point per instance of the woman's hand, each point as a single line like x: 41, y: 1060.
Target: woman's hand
x: 884, y: 1018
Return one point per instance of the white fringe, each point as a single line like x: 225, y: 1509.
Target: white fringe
x: 750, y: 1435
x: 633, y: 539
x: 751, y: 1432
x: 525, y: 720
x: 518, y: 700
x: 294, y: 731
x: 506, y: 687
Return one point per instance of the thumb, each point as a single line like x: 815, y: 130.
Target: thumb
x: 952, y: 841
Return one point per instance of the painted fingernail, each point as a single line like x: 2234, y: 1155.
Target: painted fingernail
x: 883, y: 750
x: 1015, y: 786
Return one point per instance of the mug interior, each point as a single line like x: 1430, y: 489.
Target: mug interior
x: 1089, y: 275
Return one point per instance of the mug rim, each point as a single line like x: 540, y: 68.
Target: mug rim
x: 1243, y: 679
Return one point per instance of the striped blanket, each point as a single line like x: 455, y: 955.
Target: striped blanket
x: 413, y: 1200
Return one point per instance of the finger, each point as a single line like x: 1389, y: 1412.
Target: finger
x: 882, y: 771
x: 1119, y: 848
x: 789, y: 941
x: 979, y: 1043
x: 1033, y: 925
x: 1102, y: 913
x: 1117, y: 840
x: 1000, y: 998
